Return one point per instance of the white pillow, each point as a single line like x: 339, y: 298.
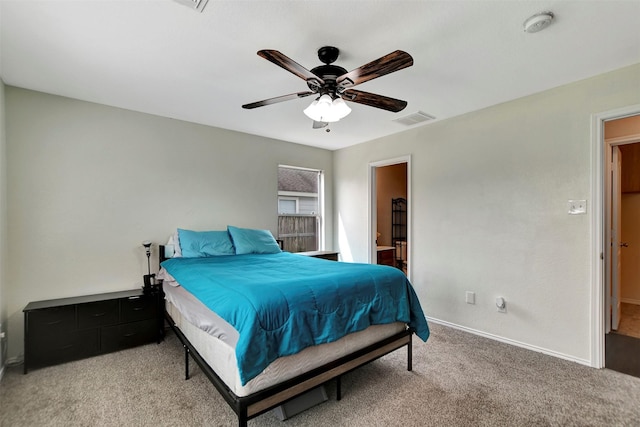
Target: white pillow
x: 174, y: 242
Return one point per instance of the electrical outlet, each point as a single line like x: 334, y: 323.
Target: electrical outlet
x: 470, y: 297
x: 501, y: 305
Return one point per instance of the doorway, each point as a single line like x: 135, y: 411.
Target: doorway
x: 622, y: 254
x: 390, y: 213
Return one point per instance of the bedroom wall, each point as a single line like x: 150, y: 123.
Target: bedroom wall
x: 88, y: 183
x: 489, y: 193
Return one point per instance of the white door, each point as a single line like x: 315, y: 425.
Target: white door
x: 616, y: 226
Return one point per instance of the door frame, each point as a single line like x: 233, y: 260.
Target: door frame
x: 598, y: 235
x: 373, y: 216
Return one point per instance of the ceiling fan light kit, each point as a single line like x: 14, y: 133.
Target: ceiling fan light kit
x: 324, y: 109
x: 334, y: 84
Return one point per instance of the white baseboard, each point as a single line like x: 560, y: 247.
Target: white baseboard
x: 513, y: 342
x: 630, y: 301
x: 14, y: 361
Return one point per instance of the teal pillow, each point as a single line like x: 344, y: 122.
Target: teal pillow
x: 251, y: 241
x: 196, y: 244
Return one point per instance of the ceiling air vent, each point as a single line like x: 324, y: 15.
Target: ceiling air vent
x: 194, y: 4
x: 414, y: 118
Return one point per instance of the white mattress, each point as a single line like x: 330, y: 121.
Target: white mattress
x: 219, y: 352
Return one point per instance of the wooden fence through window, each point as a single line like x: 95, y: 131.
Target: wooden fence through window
x: 299, y: 233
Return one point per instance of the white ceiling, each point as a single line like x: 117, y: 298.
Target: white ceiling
x: 161, y: 57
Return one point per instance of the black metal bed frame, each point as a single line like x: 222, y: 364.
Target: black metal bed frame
x: 248, y: 407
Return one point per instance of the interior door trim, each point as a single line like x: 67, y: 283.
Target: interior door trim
x: 372, y: 219
x: 598, y: 169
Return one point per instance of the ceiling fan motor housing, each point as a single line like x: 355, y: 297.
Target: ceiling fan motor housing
x: 328, y: 73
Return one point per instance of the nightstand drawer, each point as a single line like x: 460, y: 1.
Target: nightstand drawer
x: 97, y: 314
x: 128, y: 335
x: 51, y: 320
x: 59, y: 348
x: 137, y: 308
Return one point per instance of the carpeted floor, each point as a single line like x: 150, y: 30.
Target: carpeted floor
x: 458, y: 379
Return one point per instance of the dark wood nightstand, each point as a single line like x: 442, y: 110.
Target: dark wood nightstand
x: 330, y: 255
x: 66, y: 329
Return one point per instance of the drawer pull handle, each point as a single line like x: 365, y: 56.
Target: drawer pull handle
x: 129, y: 335
x: 138, y: 297
x: 54, y: 322
x: 138, y: 308
x: 99, y: 314
x: 65, y: 347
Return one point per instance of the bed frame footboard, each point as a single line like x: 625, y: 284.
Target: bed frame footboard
x: 251, y: 406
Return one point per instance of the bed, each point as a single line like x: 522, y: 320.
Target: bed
x: 266, y: 326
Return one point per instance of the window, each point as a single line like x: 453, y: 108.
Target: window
x: 300, y: 203
x: 287, y: 205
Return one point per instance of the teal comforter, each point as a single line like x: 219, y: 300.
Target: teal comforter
x: 282, y: 303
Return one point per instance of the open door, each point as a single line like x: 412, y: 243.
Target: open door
x: 612, y: 132
x: 616, y: 227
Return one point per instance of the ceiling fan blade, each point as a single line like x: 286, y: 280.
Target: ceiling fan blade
x: 387, y: 64
x: 289, y: 64
x: 374, y: 100
x: 277, y: 99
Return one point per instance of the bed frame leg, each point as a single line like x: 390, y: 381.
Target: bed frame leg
x: 186, y: 362
x: 410, y: 354
x: 338, y: 387
x: 242, y: 417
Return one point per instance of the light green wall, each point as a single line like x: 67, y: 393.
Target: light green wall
x: 489, y: 212
x: 88, y: 183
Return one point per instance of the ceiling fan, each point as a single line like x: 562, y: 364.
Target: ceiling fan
x: 333, y: 84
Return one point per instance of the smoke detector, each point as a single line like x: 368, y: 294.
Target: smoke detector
x: 538, y: 22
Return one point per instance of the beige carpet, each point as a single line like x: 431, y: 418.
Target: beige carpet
x: 458, y: 380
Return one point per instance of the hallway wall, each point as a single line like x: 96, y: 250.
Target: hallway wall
x: 391, y: 183
x: 630, y: 287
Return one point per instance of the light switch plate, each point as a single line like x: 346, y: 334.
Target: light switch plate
x: 577, y: 207
x: 470, y: 297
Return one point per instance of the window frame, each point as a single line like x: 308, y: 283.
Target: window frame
x: 320, y: 222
